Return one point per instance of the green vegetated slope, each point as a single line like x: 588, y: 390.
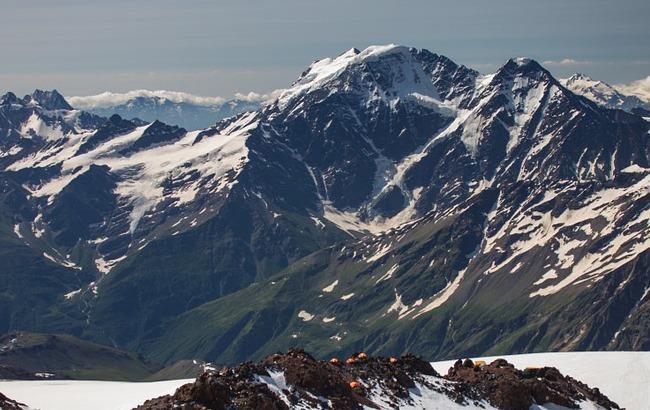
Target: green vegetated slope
x: 30, y: 284
x: 340, y: 300
x: 173, y: 275
x: 360, y: 311
x: 65, y: 356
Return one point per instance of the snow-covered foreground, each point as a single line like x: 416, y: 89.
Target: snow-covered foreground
x: 623, y: 376
x: 85, y: 394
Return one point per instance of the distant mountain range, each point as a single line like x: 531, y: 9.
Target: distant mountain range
x: 629, y: 98
x: 174, y: 108
x: 390, y: 200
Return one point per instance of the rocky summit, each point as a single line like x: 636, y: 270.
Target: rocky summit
x: 296, y: 380
x: 389, y: 200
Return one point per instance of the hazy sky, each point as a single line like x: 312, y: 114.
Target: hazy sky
x: 213, y: 47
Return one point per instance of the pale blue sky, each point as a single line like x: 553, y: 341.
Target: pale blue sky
x: 218, y: 47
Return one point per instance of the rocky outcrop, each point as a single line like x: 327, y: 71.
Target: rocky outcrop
x: 297, y: 380
x: 508, y: 388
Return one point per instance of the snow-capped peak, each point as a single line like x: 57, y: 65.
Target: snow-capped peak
x: 578, y: 77
x: 584, y: 81
x: 49, y: 100
x: 46, y: 100
x: 404, y: 72
x: 8, y: 98
x: 522, y: 64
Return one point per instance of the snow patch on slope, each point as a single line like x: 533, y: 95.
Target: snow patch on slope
x: 331, y: 286
x: 143, y: 173
x: 305, y: 316
x: 441, y: 297
x: 36, y: 125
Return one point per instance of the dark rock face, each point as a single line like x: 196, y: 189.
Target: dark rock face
x: 373, y: 382
x: 344, y: 136
x: 83, y: 204
x: 390, y: 202
x: 155, y: 134
x: 113, y: 127
x: 50, y: 100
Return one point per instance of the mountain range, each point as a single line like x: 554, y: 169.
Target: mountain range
x: 389, y: 200
x: 607, y: 95
x: 195, y: 112
x: 174, y: 108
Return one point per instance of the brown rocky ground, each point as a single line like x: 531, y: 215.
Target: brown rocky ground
x: 361, y: 381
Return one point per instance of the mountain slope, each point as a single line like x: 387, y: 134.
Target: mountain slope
x: 62, y: 356
x: 539, y: 165
x: 124, y: 191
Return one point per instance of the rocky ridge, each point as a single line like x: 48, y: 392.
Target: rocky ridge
x: 296, y: 380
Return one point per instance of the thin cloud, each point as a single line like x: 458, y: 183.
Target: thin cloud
x: 567, y: 62
x: 256, y: 97
x: 109, y: 99
x: 639, y: 88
